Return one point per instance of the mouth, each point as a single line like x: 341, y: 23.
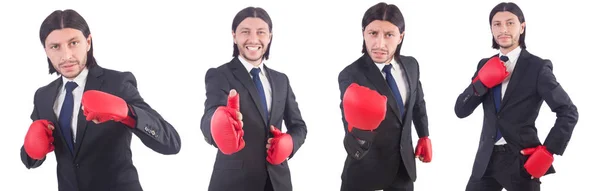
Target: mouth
x: 253, y: 48
x: 379, y: 53
x: 68, y: 66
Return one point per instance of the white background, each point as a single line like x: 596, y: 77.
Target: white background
x: 169, y: 45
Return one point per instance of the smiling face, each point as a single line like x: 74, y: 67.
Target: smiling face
x: 252, y: 37
x: 507, y: 30
x: 67, y: 50
x: 381, y: 39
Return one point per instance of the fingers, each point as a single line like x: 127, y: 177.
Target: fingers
x: 95, y: 121
x: 239, y: 116
x: 527, y: 151
x: 233, y: 100
x: 269, y: 142
x: 51, y: 127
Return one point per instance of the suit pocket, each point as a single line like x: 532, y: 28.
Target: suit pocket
x: 228, y: 164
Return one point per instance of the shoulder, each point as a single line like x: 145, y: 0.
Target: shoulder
x: 48, y: 87
x: 353, y: 67
x: 409, y: 59
x: 535, y: 60
x: 277, y: 75
x: 219, y: 70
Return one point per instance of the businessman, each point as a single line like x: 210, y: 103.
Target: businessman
x: 88, y: 114
x: 246, y: 104
x: 512, y: 85
x: 382, y: 97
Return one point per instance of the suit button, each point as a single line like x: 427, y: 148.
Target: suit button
x: 76, y: 165
x: 153, y: 133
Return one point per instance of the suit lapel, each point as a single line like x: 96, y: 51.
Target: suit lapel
x: 376, y: 77
x: 410, y: 76
x: 49, y: 99
x: 243, y: 76
x: 517, y: 74
x: 93, y: 82
x: 276, y: 89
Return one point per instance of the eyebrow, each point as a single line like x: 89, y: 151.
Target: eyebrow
x: 511, y: 19
x: 56, y: 43
x: 246, y: 28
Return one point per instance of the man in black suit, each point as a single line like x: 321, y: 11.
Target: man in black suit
x: 260, y: 99
x: 90, y: 155
x: 512, y: 86
x: 382, y: 156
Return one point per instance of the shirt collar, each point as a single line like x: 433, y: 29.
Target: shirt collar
x: 80, y: 79
x: 249, y: 66
x: 513, y: 55
x: 381, y: 65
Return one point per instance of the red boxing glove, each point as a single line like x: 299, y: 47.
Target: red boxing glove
x: 281, y: 147
x: 39, y: 139
x: 539, y: 162
x: 363, y: 108
x: 102, y: 107
x: 492, y: 73
x: 226, y: 127
x: 423, y: 150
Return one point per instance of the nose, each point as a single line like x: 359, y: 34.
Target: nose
x: 65, y: 54
x: 379, y: 42
x: 504, y: 28
x: 253, y: 37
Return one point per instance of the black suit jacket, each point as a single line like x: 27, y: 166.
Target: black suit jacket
x: 531, y: 83
x: 374, y: 160
x: 102, y: 159
x: 248, y: 169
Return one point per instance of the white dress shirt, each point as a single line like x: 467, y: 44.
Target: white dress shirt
x: 77, y: 94
x: 510, y: 67
x: 399, y: 76
x: 263, y: 79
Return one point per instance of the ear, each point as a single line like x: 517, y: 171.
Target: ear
x: 401, y: 37
x: 522, y: 27
x: 233, y: 35
x: 89, y: 42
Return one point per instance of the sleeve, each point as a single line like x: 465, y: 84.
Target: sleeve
x: 152, y: 129
x: 217, y: 90
x: 420, y: 119
x: 358, y: 142
x: 28, y: 161
x: 471, y: 97
x: 294, y: 123
x: 559, y: 102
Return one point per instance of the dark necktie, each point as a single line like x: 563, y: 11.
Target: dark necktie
x: 261, y: 90
x: 394, y: 87
x: 497, y: 90
x: 66, y: 114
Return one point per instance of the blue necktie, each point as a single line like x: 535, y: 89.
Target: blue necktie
x: 261, y: 90
x: 497, y: 90
x: 394, y: 87
x: 66, y: 114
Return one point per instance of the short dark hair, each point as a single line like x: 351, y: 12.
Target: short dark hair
x: 255, y: 12
x: 514, y: 9
x: 66, y: 19
x: 385, y: 12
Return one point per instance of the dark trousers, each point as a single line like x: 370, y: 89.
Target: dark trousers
x: 505, y: 170
x: 268, y: 185
x: 402, y: 182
